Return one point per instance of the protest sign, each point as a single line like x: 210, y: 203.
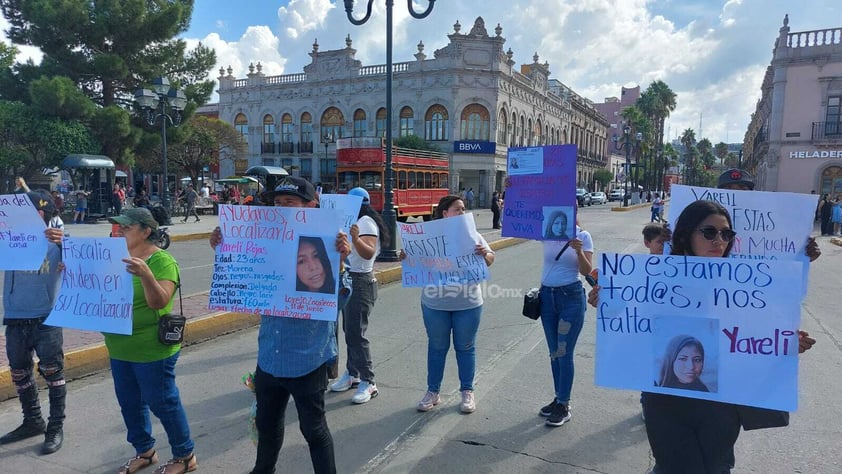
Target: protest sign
x: 441, y: 252
x: 346, y: 205
x: 276, y: 261
x: 541, y: 192
x: 768, y: 224
x: 713, y: 328
x: 23, y: 244
x: 96, y: 290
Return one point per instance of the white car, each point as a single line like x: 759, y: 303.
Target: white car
x: 616, y: 195
x: 598, y: 198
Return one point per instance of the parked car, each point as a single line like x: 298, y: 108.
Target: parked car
x: 598, y: 198
x: 616, y: 195
x: 583, y: 196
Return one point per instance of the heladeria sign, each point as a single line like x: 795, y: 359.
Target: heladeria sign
x: 816, y: 154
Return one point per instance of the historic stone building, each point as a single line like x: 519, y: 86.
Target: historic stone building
x: 794, y: 140
x: 469, y: 100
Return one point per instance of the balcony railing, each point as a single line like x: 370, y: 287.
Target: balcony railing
x: 827, y: 130
x: 286, y: 147
x: 267, y: 147
x: 305, y: 147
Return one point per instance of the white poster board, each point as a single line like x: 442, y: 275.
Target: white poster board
x: 743, y: 313
x: 23, y: 244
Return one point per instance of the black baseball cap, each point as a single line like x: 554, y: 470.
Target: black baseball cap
x: 293, y: 186
x: 736, y: 176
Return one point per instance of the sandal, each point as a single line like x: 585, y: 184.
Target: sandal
x: 138, y: 462
x: 179, y: 466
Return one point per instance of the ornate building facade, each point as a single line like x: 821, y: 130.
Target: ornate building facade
x: 794, y: 140
x: 468, y: 100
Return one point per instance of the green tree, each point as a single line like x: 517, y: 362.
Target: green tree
x: 414, y: 142
x: 7, y: 55
x: 688, y: 139
x: 603, y: 177
x: 721, y: 151
x: 657, y: 102
x: 205, y: 139
x: 706, y: 153
x: 108, y: 49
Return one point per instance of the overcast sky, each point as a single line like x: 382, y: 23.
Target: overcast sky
x: 712, y: 53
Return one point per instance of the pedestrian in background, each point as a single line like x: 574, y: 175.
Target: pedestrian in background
x: 27, y: 335
x: 495, y: 210
x: 563, y: 314
x: 190, y: 198
x: 368, y: 234
x: 81, y: 207
x: 117, y: 198
x: 142, y: 368
x: 20, y: 186
x: 452, y: 311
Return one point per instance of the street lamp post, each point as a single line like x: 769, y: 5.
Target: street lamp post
x: 155, y: 104
x: 390, y: 253
x: 627, y: 144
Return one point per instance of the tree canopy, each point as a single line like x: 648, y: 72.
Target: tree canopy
x: 96, y: 54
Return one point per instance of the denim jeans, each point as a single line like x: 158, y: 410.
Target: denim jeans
x: 23, y: 338
x: 463, y: 325
x: 142, y: 387
x: 308, y: 392
x: 355, y: 323
x: 562, y: 315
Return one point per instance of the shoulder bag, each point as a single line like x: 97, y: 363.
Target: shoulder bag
x: 532, y: 303
x: 171, y: 326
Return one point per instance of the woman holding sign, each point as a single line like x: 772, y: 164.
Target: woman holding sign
x: 452, y: 312
x: 563, y: 314
x: 143, y: 369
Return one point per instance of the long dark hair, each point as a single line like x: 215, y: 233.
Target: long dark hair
x: 548, y: 233
x: 667, y: 377
x: 385, y: 237
x: 330, y: 284
x: 444, y: 204
x: 689, y: 221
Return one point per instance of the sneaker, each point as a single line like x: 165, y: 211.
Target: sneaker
x: 28, y: 429
x: 559, y: 416
x: 547, y: 409
x: 346, y: 382
x: 365, y: 392
x: 430, y: 400
x: 469, y: 403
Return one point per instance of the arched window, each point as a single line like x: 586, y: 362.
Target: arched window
x: 407, y: 124
x: 241, y: 124
x: 268, y: 129
x: 360, y: 127
x: 502, y: 122
x: 436, y: 124
x: 332, y: 124
x: 530, y: 133
x: 306, y: 133
x: 286, y: 128
x: 521, y: 131
x: 475, y: 123
x: 380, y: 124
x: 513, y: 141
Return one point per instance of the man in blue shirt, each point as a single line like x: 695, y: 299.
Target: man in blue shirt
x: 292, y: 360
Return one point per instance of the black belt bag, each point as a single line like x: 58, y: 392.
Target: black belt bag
x: 171, y: 327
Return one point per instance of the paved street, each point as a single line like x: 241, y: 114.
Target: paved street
x: 505, y: 434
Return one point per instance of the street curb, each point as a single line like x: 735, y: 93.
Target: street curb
x: 87, y: 360
x: 185, y: 237
x: 631, y: 208
x: 836, y: 241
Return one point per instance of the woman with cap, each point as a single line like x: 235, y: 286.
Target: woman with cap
x: 367, y: 236
x: 143, y: 369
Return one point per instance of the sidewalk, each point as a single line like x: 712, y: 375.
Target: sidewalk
x: 85, y: 351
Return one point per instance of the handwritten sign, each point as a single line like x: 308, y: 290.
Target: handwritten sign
x: 23, y: 244
x: 535, y: 191
x: 441, y: 252
x: 346, y: 205
x: 768, y: 224
x: 713, y: 328
x: 276, y: 261
x: 96, y: 291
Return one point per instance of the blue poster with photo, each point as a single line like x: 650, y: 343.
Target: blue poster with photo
x: 540, y: 193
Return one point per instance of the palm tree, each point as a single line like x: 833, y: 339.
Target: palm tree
x: 688, y: 139
x: 660, y: 102
x: 706, y: 152
x: 639, y: 124
x: 721, y: 151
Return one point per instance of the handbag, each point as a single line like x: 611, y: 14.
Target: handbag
x: 171, y: 326
x: 532, y: 303
x: 753, y: 418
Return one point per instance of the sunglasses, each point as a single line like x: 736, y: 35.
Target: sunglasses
x: 710, y: 233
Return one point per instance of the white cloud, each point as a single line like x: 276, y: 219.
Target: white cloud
x: 302, y: 16
x: 25, y: 53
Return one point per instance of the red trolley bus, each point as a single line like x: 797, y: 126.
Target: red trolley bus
x: 421, y: 177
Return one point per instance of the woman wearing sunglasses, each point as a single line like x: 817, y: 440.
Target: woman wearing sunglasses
x: 689, y: 435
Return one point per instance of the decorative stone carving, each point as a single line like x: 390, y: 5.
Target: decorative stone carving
x: 479, y: 28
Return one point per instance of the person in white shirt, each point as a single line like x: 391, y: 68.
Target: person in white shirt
x: 367, y: 235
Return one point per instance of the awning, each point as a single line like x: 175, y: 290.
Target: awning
x: 120, y: 174
x: 243, y: 180
x: 87, y: 161
x: 266, y: 170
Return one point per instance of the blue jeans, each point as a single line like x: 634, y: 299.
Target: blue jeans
x: 145, y: 386
x: 355, y: 324
x: 562, y: 315
x: 463, y: 324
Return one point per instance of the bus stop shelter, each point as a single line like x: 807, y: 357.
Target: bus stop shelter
x: 95, y: 175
